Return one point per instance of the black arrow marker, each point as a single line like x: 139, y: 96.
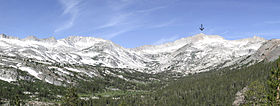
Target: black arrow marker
x: 201, y: 28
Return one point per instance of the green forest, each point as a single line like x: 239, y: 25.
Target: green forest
x: 216, y: 87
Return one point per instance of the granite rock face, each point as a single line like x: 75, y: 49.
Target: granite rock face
x: 269, y: 51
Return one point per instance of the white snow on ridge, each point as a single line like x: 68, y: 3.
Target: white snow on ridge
x: 31, y: 71
x: 48, y: 81
x: 2, y: 64
x: 60, y: 70
x: 72, y: 69
x: 7, y: 79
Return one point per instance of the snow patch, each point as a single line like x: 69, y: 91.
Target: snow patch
x: 72, y: 69
x: 30, y: 71
x: 7, y: 79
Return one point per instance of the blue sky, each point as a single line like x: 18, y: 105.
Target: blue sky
x: 133, y: 23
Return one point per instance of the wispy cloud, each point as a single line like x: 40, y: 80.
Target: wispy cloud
x: 114, y: 34
x: 120, y: 4
x: 273, y: 33
x: 235, y: 36
x: 165, y: 40
x: 123, y: 20
x: 240, y: 35
x: 225, y: 32
x: 115, y: 21
x: 165, y: 24
x: 272, y: 22
x: 70, y: 7
x: 151, y: 9
x: 118, y: 25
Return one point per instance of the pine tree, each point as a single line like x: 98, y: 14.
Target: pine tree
x: 274, y: 84
x: 16, y: 101
x: 256, y: 94
x: 71, y: 98
x: 1, y: 101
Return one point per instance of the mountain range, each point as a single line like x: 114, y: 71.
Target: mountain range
x: 55, y: 61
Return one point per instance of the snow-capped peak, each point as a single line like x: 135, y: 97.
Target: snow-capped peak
x: 254, y: 38
x: 50, y: 39
x: 187, y: 54
x: 32, y: 38
x: 173, y: 46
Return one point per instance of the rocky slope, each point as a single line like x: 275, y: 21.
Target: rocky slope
x: 269, y: 51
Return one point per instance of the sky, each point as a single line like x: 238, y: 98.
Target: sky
x: 134, y: 23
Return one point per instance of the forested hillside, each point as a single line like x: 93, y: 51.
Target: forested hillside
x: 217, y: 87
